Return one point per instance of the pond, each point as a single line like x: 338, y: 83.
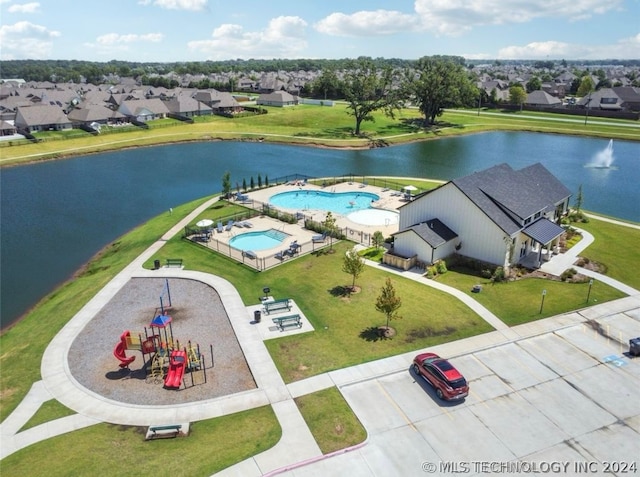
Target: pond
x: 55, y: 215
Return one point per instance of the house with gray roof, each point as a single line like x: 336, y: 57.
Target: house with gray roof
x: 499, y: 216
x: 144, y: 109
x: 277, y: 98
x: 42, y: 117
x: 542, y: 98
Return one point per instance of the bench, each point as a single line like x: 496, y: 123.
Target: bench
x: 282, y: 304
x: 164, y: 431
x: 288, y: 321
x: 174, y: 262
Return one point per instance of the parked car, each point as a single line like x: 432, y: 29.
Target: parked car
x: 447, y: 381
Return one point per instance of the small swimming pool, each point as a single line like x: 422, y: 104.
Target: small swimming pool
x: 374, y: 217
x: 258, y: 240
x: 339, y: 202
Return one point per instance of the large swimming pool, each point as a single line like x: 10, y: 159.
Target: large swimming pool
x: 339, y: 202
x: 258, y: 240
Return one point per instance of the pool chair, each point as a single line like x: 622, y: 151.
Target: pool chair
x: 229, y: 225
x: 220, y: 227
x: 249, y: 254
x: 319, y: 238
x: 246, y: 224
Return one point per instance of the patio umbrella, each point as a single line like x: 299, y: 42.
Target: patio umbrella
x: 205, y: 223
x: 410, y: 188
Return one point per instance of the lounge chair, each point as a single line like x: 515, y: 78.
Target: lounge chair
x: 220, y: 227
x: 247, y: 224
x: 250, y: 254
x: 319, y: 238
x: 229, y: 225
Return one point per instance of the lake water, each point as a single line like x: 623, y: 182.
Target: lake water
x: 54, y: 216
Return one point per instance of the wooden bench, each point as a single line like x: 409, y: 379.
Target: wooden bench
x: 288, y: 321
x: 156, y: 432
x: 275, y: 305
x: 174, y: 262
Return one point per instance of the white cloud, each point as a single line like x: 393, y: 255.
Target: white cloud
x: 32, y: 7
x: 193, y: 5
x: 284, y: 37
x: 627, y: 48
x: 115, y: 38
x: 26, y: 40
x: 367, y: 23
x: 454, y: 17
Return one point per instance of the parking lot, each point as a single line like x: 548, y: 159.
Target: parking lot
x: 564, y: 402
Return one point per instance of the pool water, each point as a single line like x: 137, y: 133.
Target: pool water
x: 258, y: 240
x: 339, y: 202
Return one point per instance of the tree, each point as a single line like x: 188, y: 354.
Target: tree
x: 327, y: 84
x: 329, y: 225
x: 388, y: 302
x: 226, y: 184
x: 353, y: 264
x: 517, y: 95
x: 252, y: 184
x: 578, y: 200
x: 259, y: 181
x: 534, y: 84
x: 366, y: 90
x: 244, y: 184
x: 377, y: 239
x: 438, y: 83
x: 586, y: 86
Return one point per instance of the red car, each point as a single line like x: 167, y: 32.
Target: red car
x: 447, y: 381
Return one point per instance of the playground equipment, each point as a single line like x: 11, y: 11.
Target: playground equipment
x: 119, y: 351
x: 177, y: 366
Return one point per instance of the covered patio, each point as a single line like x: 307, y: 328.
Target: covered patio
x: 545, y: 236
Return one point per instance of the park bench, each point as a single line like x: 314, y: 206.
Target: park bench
x: 174, y: 262
x: 275, y: 305
x: 288, y: 321
x: 156, y: 432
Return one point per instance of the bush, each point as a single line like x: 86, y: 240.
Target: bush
x: 568, y: 274
x: 441, y: 267
x: 498, y: 275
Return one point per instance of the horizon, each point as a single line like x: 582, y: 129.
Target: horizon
x: 185, y: 31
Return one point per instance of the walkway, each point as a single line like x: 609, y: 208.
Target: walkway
x: 58, y: 383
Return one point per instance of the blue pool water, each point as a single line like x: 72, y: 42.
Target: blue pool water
x: 339, y: 202
x: 258, y: 240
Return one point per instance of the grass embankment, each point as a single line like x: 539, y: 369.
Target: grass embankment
x: 309, y: 125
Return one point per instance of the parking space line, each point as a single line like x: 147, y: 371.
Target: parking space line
x: 395, y: 405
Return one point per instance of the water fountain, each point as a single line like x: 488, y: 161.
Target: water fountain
x: 604, y: 158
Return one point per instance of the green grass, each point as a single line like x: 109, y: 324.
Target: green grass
x: 520, y: 301
x: 49, y: 411
x: 111, y: 450
x: 313, y: 125
x: 331, y: 421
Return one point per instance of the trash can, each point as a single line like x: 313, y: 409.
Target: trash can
x: 156, y: 264
x: 257, y: 316
x: 634, y: 346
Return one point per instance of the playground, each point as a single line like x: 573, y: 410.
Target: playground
x: 186, y: 314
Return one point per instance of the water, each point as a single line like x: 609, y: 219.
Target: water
x: 55, y: 216
x: 338, y: 202
x: 260, y: 240
x: 603, y: 159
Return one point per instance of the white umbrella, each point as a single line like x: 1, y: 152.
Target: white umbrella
x: 410, y: 187
x: 204, y: 223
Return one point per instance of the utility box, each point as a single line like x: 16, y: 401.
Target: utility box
x: 634, y: 346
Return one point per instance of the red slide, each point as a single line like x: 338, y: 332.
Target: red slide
x: 119, y: 352
x: 177, y: 364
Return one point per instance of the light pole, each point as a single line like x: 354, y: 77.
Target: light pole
x: 544, y: 292
x: 589, y: 292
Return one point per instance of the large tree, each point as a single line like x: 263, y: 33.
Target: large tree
x: 517, y: 95
x: 586, y: 86
x: 437, y: 83
x: 368, y: 89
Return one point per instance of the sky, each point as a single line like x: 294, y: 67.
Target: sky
x: 201, y: 30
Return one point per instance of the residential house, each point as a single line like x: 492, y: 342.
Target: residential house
x: 144, y: 109
x: 541, y: 98
x: 43, y: 117
x: 499, y: 216
x: 94, y: 113
x: 186, y: 106
x: 7, y: 128
x: 277, y: 98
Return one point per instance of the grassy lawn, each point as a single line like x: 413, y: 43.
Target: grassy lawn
x: 111, y: 450
x: 520, y: 301
x: 334, y: 430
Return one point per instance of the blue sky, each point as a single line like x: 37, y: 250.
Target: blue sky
x: 200, y: 30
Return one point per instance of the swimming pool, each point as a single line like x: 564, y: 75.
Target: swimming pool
x: 339, y: 202
x: 258, y: 240
x: 374, y: 217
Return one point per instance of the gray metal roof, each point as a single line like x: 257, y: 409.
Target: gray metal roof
x: 543, y: 231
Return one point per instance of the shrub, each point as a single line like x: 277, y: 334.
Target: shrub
x: 498, y: 275
x: 441, y: 267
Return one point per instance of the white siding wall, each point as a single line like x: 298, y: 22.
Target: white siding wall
x: 409, y: 244
x: 480, y: 237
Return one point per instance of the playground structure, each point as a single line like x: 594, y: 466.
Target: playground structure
x: 164, y: 359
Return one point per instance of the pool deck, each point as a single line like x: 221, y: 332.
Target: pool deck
x: 387, y: 201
